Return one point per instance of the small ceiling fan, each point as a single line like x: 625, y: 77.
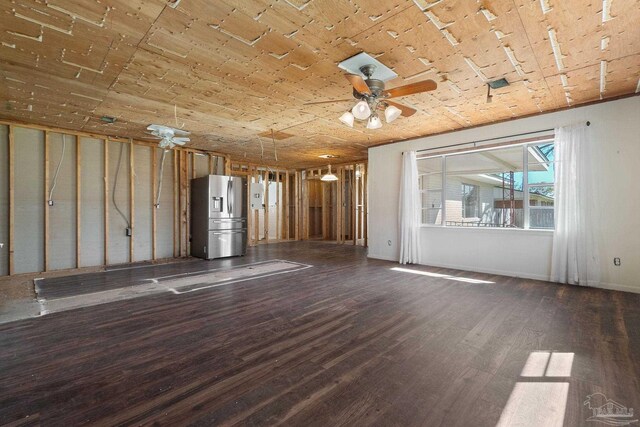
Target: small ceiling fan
x: 169, y: 137
x: 373, y: 96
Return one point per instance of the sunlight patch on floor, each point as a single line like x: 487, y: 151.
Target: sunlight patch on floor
x: 535, y: 405
x: 440, y: 276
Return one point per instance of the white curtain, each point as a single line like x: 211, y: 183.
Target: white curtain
x: 575, y: 257
x: 410, y: 209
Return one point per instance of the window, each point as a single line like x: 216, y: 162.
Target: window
x: 510, y: 187
x: 470, y: 201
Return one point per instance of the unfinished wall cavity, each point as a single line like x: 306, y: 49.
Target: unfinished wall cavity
x: 29, y: 200
x: 74, y: 198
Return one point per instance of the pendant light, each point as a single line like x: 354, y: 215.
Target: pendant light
x: 391, y: 113
x: 329, y: 176
x: 347, y: 119
x: 361, y: 110
x: 374, y: 122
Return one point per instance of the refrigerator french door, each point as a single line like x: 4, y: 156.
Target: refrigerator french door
x: 218, y: 216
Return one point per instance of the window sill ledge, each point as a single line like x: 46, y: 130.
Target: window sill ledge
x: 488, y: 229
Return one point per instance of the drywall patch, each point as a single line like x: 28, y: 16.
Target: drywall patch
x: 424, y: 4
x: 476, y: 69
x: 555, y: 46
x: 393, y: 34
x: 237, y: 37
x: 606, y: 10
x: 490, y: 16
x: 603, y: 77
x: 545, y: 6
x: 512, y: 58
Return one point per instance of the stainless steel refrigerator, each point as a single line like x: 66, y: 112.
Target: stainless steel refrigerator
x: 218, y: 216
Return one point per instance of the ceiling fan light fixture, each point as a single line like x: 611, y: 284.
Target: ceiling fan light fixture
x: 361, y: 110
x: 391, y: 113
x: 374, y: 122
x: 329, y: 177
x: 347, y: 118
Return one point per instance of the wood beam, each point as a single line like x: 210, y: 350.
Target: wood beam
x: 365, y: 197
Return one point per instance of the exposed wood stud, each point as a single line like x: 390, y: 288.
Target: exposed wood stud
x: 287, y: 196
x: 78, y: 202
x: 278, y: 205
x: 46, y: 201
x: 266, y: 206
x: 154, y: 209
x: 354, y: 192
x: 132, y: 205
x: 105, y: 143
x: 12, y: 195
x: 176, y: 204
x: 365, y: 196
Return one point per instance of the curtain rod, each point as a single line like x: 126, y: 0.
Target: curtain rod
x: 487, y: 139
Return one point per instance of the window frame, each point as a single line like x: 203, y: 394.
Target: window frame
x: 477, y: 195
x: 525, y: 183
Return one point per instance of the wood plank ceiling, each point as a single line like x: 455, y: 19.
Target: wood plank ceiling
x: 231, y: 69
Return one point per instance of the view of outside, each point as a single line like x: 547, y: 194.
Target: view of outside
x: 487, y: 188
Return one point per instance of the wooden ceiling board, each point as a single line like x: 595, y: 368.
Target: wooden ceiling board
x: 231, y: 69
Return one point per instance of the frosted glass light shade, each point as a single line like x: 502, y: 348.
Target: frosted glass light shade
x: 374, y: 123
x: 391, y: 113
x: 361, y: 110
x: 347, y: 119
x: 329, y: 176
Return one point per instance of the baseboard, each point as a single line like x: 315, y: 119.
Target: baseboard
x: 492, y: 271
x: 382, y: 257
x: 617, y: 287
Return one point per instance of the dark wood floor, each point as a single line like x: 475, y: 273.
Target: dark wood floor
x: 347, y: 342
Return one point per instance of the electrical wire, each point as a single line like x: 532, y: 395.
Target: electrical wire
x: 115, y: 186
x: 55, y: 176
x: 157, y: 204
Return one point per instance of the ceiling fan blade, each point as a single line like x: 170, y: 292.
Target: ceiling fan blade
x: 410, y: 89
x: 358, y: 83
x: 180, y: 139
x: 328, y: 102
x: 406, y: 111
x: 180, y: 132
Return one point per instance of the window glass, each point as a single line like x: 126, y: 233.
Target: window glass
x: 486, y: 188
x: 430, y: 176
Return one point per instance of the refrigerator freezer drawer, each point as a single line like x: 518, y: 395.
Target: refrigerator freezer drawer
x: 227, y: 223
x: 226, y: 243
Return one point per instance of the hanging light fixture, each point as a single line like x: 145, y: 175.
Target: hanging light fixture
x: 347, y: 119
x: 329, y: 176
x: 374, y: 122
x: 361, y: 110
x: 391, y: 113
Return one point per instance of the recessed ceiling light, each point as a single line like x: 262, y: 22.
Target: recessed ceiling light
x: 328, y: 156
x: 108, y: 119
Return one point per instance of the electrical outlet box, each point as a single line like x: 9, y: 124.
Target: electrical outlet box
x: 128, y: 231
x: 50, y: 202
x: 616, y: 261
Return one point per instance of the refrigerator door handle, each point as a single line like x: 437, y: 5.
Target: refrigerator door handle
x: 229, y: 201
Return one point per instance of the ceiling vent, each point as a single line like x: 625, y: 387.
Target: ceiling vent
x: 497, y: 84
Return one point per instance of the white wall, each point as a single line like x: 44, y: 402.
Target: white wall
x: 615, y: 127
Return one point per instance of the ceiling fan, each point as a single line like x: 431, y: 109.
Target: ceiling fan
x: 169, y: 137
x: 372, y: 96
